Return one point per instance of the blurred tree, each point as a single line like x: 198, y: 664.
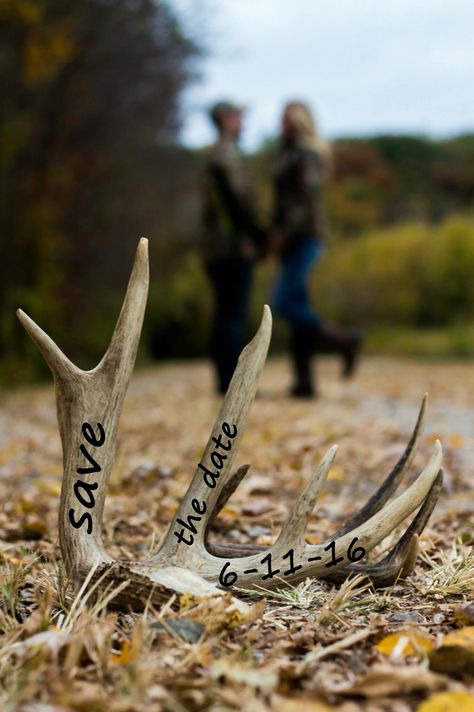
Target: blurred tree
x: 89, y: 161
x: 388, y: 179
x: 91, y: 92
x: 363, y: 184
x: 383, y: 180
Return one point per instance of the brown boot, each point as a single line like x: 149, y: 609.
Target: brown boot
x: 329, y: 339
x: 301, y: 351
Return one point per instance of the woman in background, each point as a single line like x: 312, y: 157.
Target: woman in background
x: 301, y: 168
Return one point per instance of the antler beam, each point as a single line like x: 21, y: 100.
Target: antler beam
x: 88, y: 407
x: 398, y: 563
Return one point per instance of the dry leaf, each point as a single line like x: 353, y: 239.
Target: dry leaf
x: 463, y: 637
x: 448, y: 702
x: 456, y: 654
x: 405, y: 643
x: 50, y: 640
x: 464, y: 614
x: 126, y: 655
x: 299, y: 704
x: 190, y: 631
x: 452, y: 660
x: 389, y: 680
x: 259, y: 678
x: 160, y: 434
x: 217, y: 612
x: 257, y: 507
x: 336, y: 473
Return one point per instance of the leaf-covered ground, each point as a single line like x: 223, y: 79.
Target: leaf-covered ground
x: 310, y: 648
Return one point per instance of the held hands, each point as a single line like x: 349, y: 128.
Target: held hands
x: 274, y: 242
x: 269, y: 243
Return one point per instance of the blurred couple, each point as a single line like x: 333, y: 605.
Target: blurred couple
x: 234, y: 239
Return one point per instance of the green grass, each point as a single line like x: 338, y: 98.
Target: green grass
x: 453, y: 342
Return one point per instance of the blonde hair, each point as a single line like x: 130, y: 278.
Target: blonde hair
x: 305, y: 130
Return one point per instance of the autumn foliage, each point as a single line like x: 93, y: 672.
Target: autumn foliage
x: 90, y: 161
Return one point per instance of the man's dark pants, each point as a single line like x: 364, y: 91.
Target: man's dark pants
x: 231, y: 279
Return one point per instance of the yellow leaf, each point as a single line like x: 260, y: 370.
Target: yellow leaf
x: 11, y: 559
x: 126, y: 656
x: 448, y: 702
x: 463, y: 614
x: 229, y: 513
x: 49, y: 487
x: 188, y: 600
x: 28, y: 505
x: 405, y: 643
x: 336, y: 473
x: 463, y: 637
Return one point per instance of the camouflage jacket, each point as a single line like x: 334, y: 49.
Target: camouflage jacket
x: 298, y: 180
x: 230, y: 226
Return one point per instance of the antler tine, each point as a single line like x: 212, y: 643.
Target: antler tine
x: 214, y: 470
x: 400, y: 560
x: 398, y: 563
x: 314, y: 560
x: 392, y: 481
x: 119, y: 358
x: 295, y: 526
x: 89, y: 405
x: 371, y: 532
x: 375, y: 503
x: 61, y: 367
x: 292, y: 534
x: 226, y: 493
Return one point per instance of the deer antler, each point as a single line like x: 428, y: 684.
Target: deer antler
x: 398, y: 563
x: 88, y: 407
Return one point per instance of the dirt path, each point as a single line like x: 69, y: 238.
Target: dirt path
x: 167, y: 418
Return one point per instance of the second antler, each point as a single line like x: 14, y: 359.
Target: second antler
x: 88, y: 407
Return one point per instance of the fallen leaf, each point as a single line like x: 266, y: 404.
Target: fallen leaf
x: 386, y: 680
x: 230, y: 670
x: 405, y: 643
x: 452, y: 660
x: 126, y: 655
x: 257, y: 507
x: 463, y: 637
x: 455, y: 656
x: 229, y: 513
x: 190, y: 631
x: 299, y: 704
x: 221, y: 611
x: 336, y: 473
x: 448, y: 702
x: 464, y: 614
x: 51, y: 640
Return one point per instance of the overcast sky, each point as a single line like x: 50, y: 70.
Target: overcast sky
x: 365, y: 66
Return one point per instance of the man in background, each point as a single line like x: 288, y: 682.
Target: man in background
x: 232, y: 238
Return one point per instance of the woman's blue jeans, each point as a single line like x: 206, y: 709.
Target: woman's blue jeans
x: 291, y: 299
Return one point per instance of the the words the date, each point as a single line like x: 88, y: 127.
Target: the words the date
x: 187, y: 528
